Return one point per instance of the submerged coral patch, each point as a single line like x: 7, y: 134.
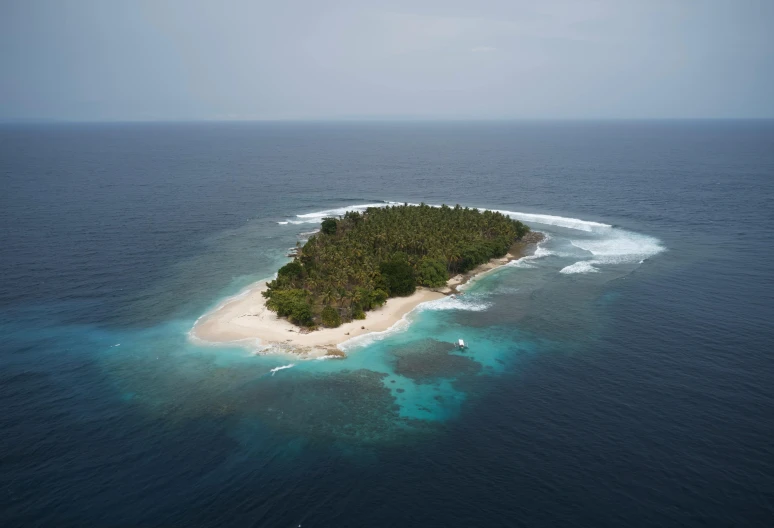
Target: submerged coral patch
x: 345, y: 405
x: 425, y: 360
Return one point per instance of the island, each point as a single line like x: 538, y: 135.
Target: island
x: 362, y: 272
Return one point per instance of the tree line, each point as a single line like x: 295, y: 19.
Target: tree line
x: 357, y: 261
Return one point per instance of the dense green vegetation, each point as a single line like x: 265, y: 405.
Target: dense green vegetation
x: 359, y: 260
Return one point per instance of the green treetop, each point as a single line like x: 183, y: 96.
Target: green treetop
x: 359, y: 260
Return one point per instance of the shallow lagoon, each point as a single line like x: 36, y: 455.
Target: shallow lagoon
x: 406, y: 380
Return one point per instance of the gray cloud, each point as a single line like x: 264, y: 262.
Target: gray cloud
x: 105, y: 59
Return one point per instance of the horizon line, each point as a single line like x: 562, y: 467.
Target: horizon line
x: 370, y: 120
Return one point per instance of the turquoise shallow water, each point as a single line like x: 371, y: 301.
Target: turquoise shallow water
x: 415, y: 376
x: 620, y: 376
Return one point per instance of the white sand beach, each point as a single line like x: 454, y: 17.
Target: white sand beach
x: 245, y: 318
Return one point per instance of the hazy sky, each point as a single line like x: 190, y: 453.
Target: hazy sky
x: 313, y: 59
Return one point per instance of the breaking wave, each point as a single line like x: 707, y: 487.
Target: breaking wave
x: 583, y: 266
x: 317, y: 217
x: 616, y: 247
x: 469, y: 303
x: 620, y: 246
x: 559, y: 221
x: 526, y: 262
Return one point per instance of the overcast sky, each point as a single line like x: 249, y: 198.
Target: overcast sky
x: 318, y: 59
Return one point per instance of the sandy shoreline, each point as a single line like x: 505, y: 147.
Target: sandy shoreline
x: 245, y: 318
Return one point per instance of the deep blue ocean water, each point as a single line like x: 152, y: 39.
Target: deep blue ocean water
x: 623, y: 375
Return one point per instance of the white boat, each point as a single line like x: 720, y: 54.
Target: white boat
x: 461, y: 344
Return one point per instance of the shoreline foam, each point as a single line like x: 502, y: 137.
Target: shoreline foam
x: 245, y: 318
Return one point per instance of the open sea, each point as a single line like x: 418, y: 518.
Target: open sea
x: 621, y: 376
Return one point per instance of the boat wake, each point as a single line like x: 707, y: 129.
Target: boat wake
x: 277, y: 369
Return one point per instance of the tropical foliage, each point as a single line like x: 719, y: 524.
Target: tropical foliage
x: 359, y: 260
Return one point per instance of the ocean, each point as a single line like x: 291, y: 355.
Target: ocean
x: 622, y: 375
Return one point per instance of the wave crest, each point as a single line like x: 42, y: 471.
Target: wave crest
x: 318, y: 216
x: 583, y: 266
x: 468, y: 303
x: 559, y: 221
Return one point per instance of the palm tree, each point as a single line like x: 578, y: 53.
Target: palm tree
x: 337, y: 268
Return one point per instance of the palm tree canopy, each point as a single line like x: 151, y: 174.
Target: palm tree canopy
x: 360, y: 258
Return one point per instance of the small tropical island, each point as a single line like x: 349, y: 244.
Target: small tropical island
x: 362, y: 272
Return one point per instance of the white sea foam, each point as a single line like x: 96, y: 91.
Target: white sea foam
x: 283, y: 223
x: 341, y: 210
x: 277, y: 369
x: 616, y: 246
x: 317, y: 216
x: 367, y: 339
x: 620, y: 246
x: 583, y: 266
x: 453, y: 302
x: 559, y: 221
x: 468, y: 303
x: 540, y: 252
